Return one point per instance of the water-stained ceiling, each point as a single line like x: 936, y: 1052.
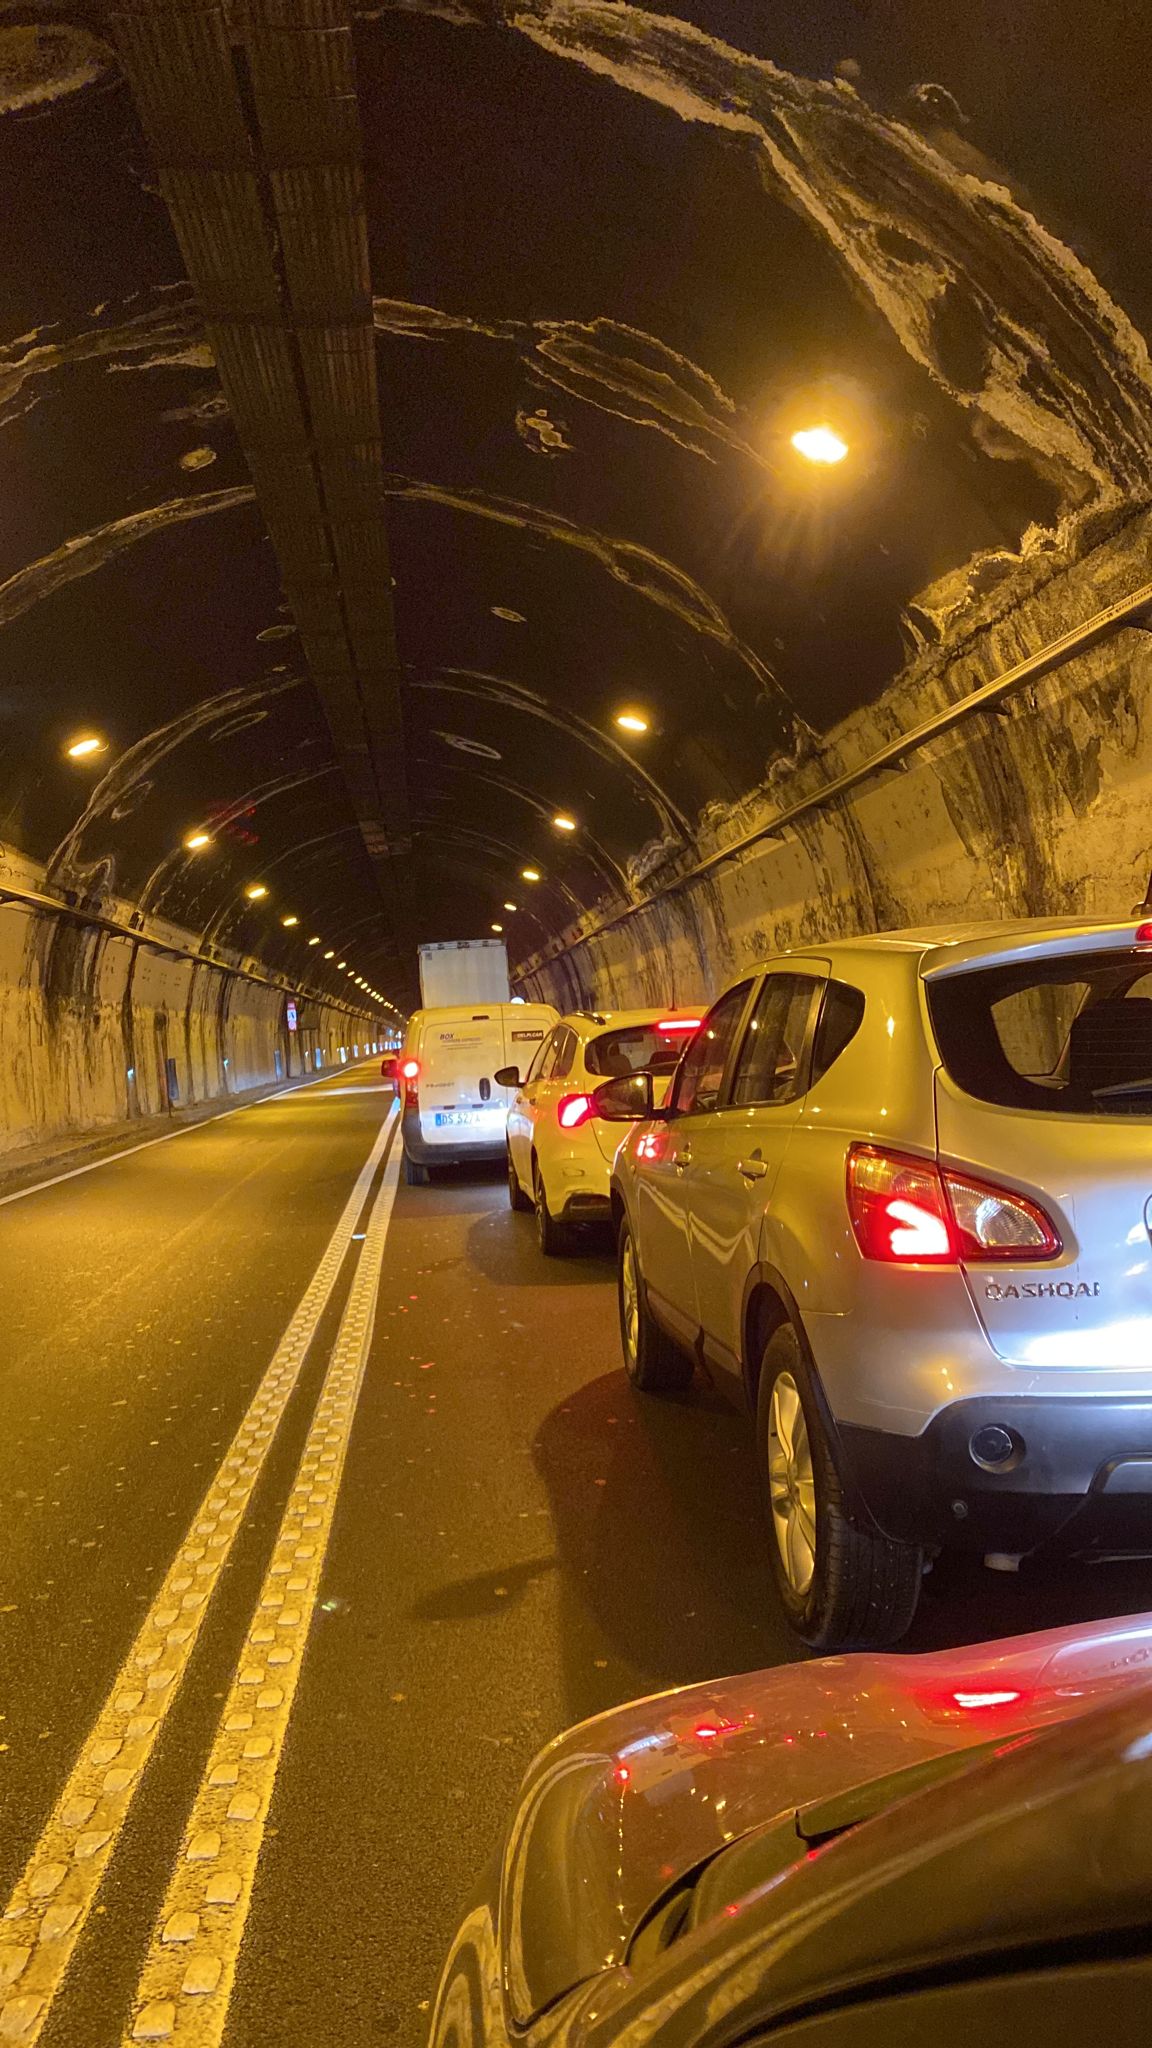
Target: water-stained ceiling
x: 371, y: 640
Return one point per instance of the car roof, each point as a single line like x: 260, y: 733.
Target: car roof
x: 965, y: 941
x: 588, y: 1023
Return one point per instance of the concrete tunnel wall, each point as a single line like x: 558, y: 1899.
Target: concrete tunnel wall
x: 1042, y: 809
x: 98, y: 1029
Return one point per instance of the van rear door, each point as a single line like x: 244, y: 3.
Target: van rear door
x: 460, y: 1103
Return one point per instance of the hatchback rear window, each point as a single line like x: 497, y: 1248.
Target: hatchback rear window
x: 634, y: 1047
x: 1072, y: 1034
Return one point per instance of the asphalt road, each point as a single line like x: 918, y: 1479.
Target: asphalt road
x: 493, y: 1538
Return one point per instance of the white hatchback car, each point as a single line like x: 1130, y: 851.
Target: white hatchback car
x: 559, y: 1152
x: 899, y: 1197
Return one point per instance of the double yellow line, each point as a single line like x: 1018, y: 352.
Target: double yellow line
x: 190, y: 1966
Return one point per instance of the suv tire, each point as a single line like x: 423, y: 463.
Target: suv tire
x: 651, y: 1360
x: 517, y: 1199
x: 842, y: 1586
x: 554, y: 1239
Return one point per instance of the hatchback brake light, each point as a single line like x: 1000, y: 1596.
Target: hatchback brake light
x: 573, y: 1110
x: 670, y: 1024
x: 908, y: 1211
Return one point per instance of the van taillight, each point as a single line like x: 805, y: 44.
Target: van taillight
x: 410, y: 1075
x: 908, y: 1211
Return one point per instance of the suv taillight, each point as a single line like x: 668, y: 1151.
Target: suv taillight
x: 908, y: 1211
x: 572, y: 1111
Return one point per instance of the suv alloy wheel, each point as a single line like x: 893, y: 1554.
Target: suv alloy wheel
x: 841, y: 1585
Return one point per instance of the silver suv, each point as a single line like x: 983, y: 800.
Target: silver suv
x: 899, y: 1198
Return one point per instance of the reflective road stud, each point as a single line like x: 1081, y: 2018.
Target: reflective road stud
x: 184, y: 1989
x: 52, y: 1899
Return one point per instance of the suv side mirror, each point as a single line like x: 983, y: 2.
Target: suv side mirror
x: 507, y: 1077
x: 626, y: 1100
x: 388, y: 1066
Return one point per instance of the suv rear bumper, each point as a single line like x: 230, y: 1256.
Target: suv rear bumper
x: 1081, y: 1476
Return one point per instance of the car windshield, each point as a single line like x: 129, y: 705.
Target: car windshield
x: 633, y: 1048
x: 1073, y: 1033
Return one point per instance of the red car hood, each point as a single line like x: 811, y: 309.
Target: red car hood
x: 617, y: 1809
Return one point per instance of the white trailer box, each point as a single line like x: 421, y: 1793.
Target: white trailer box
x: 463, y: 971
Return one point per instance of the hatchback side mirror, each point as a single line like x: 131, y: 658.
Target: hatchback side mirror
x: 388, y: 1066
x: 626, y: 1100
x: 507, y: 1077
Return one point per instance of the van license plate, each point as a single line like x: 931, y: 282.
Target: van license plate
x: 456, y: 1116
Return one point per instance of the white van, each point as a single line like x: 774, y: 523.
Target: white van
x: 453, y: 1110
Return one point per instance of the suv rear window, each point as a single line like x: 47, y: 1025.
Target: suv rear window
x: 633, y: 1047
x: 1072, y: 1034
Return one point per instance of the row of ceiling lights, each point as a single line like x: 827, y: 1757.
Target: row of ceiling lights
x: 86, y: 745
x: 257, y: 891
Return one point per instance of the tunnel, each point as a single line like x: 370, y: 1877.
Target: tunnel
x: 655, y: 502
x: 405, y: 412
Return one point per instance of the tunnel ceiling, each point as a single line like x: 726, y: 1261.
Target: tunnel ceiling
x: 603, y: 264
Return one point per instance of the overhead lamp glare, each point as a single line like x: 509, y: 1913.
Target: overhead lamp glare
x: 510, y: 906
x: 563, y: 823
x: 820, y: 444
x: 196, y: 840
x: 255, y: 892
x: 497, y: 927
x: 631, y: 721
x: 288, y: 922
x: 87, y: 744
x: 529, y: 874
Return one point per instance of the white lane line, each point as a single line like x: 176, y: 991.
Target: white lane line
x: 186, y: 1983
x: 166, y: 1137
x: 51, y: 1902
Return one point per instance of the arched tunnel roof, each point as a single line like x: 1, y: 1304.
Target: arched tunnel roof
x: 390, y: 403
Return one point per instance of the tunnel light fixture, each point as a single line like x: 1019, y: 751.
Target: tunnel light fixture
x: 563, y: 822
x: 529, y: 874
x: 340, y: 965
x: 330, y: 955
x: 255, y: 892
x: 497, y: 927
x: 288, y: 922
x: 85, y: 746
x: 511, y: 906
x: 631, y: 721
x: 820, y: 444
x: 196, y: 840
x: 313, y: 942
